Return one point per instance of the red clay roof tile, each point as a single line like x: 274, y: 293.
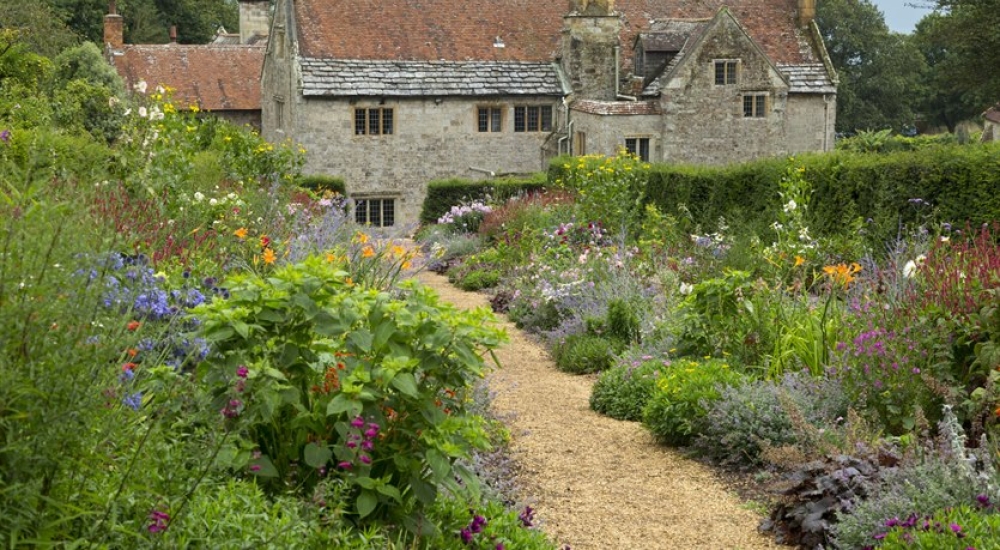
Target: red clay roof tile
x: 213, y: 76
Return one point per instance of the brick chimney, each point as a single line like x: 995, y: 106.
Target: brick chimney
x: 255, y: 19
x: 807, y: 12
x: 114, y: 27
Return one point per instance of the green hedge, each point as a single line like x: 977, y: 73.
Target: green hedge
x: 443, y: 194
x: 321, y: 182
x: 960, y: 182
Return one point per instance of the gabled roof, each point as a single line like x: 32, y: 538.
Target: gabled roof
x: 669, y: 36
x: 465, y: 30
x: 216, y: 77
x: 334, y: 77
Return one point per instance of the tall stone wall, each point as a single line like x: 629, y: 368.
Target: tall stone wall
x: 255, y: 19
x: 588, y: 47
x: 605, y: 135
x: 431, y: 140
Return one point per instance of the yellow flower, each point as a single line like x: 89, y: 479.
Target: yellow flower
x: 269, y: 256
x: 349, y: 281
x: 398, y: 251
x: 331, y: 257
x: 367, y: 252
x: 799, y: 260
x: 406, y: 264
x: 169, y: 108
x: 360, y: 237
x: 241, y: 233
x: 193, y: 108
x: 227, y: 138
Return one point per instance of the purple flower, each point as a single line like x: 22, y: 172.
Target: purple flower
x: 358, y: 422
x: 367, y: 445
x: 242, y: 371
x: 466, y: 536
x: 371, y: 433
x: 133, y: 401
x: 351, y: 444
x: 527, y: 516
x: 158, y: 521
x: 365, y: 459
x: 500, y: 546
x: 5, y: 136
x: 344, y: 465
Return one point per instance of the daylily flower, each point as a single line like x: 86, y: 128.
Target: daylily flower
x: 241, y: 233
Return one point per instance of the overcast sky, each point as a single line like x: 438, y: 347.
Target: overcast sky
x: 899, y: 16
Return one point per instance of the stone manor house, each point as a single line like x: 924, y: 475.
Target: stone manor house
x: 391, y: 94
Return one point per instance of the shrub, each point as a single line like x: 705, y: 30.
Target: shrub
x: 753, y: 416
x: 325, y: 376
x: 609, y: 190
x: 479, y: 279
x: 961, y: 528
x: 676, y: 411
x: 443, y: 194
x: 464, y: 526
x: 623, y: 391
x: 584, y: 353
x: 321, y: 182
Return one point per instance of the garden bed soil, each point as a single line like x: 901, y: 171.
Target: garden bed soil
x: 599, y: 483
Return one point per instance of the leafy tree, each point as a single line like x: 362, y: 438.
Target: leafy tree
x: 879, y: 70
x: 39, y: 29
x: 944, y: 102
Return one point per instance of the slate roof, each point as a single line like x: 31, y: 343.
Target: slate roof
x: 616, y: 107
x: 669, y: 36
x: 337, y: 77
x: 216, y: 77
x: 808, y: 79
x: 465, y: 30
x: 993, y: 114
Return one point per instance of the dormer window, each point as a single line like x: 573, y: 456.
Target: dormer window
x: 726, y: 71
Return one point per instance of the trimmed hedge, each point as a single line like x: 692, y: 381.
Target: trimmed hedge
x: 443, y: 194
x: 321, y: 182
x: 960, y: 182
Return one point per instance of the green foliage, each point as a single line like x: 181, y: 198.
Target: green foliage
x: 623, y: 391
x: 320, y: 183
x: 960, y: 528
x: 86, y: 62
x: 330, y: 366
x: 879, y: 70
x: 443, y: 194
x: 623, y: 321
x: 584, y: 353
x: 479, y: 279
x: 608, y: 190
x: 676, y: 411
x: 502, y: 527
x: 712, y: 315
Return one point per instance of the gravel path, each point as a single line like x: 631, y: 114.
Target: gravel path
x: 599, y: 483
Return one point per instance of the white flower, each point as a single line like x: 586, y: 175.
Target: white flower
x: 945, y: 239
x: 213, y: 202
x: 686, y: 289
x: 140, y: 86
x: 199, y: 196
x: 155, y: 114
x: 791, y: 206
x: 142, y: 112
x: 910, y: 269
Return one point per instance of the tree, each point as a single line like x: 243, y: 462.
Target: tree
x: 944, y: 103
x: 880, y: 71
x: 40, y: 30
x: 969, y: 31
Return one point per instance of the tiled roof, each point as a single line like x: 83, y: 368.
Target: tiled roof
x: 616, y: 107
x: 993, y: 114
x: 808, y: 79
x: 462, y: 30
x: 334, y: 77
x: 669, y: 36
x: 215, y: 77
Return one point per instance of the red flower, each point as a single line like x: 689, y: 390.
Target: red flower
x: 129, y: 366
x: 265, y: 241
x: 133, y: 325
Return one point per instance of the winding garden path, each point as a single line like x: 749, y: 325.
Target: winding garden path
x: 599, y: 483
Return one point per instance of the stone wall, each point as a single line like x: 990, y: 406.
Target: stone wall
x: 588, y: 45
x: 605, y: 134
x: 255, y: 19
x: 431, y: 139
x: 810, y: 122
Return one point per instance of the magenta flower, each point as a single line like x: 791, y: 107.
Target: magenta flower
x: 242, y: 371
x: 358, y: 422
x: 344, y: 465
x: 466, y: 536
x: 365, y: 458
x: 158, y: 521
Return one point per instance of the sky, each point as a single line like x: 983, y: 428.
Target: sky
x: 899, y: 16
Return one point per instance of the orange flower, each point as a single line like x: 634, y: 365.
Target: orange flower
x: 269, y: 256
x: 133, y: 325
x: 241, y: 233
x: 367, y: 252
x: 129, y: 366
x: 132, y: 352
x: 360, y: 237
x: 842, y: 274
x: 799, y: 260
x: 349, y: 281
x: 331, y: 257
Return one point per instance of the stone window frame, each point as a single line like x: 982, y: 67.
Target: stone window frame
x: 533, y: 118
x: 374, y: 121
x: 755, y: 105
x: 492, y: 122
x: 731, y: 69
x: 375, y: 210
x: 641, y: 146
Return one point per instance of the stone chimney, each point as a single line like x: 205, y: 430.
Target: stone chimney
x: 255, y: 19
x: 807, y: 12
x: 114, y: 27
x: 173, y: 34
x: 589, y: 43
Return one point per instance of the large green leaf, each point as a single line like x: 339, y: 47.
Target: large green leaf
x: 317, y: 455
x: 406, y: 383
x: 367, y: 501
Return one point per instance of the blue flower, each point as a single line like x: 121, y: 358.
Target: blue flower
x: 133, y: 401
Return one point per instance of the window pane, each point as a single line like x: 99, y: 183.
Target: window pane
x: 519, y: 119
x: 387, y: 121
x: 748, y: 105
x: 644, y: 149
x: 720, y: 73
x: 547, y: 119
x: 532, y: 119
x: 730, y: 72
x: 375, y: 212
x: 630, y: 145
x: 359, y: 122
x: 388, y: 212
x: 495, y: 113
x: 484, y: 121
x: 361, y: 212
x: 761, y: 105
